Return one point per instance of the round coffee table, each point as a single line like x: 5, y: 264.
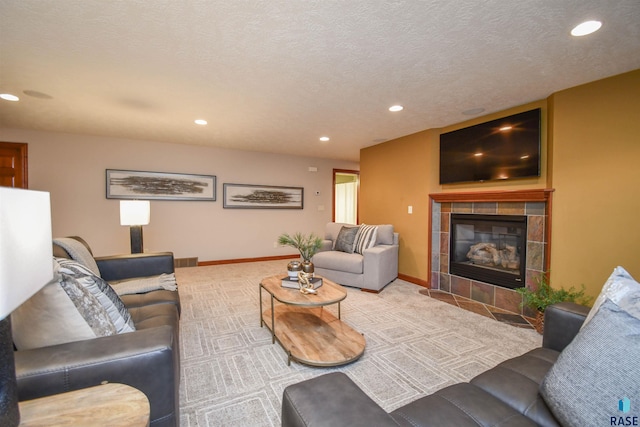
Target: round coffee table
x: 307, y: 332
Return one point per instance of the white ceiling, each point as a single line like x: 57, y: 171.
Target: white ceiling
x: 275, y: 75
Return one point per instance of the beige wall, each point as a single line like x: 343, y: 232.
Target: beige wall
x: 72, y: 168
x: 590, y: 133
x: 596, y: 175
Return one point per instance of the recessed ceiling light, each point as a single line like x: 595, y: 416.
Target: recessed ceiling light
x: 9, y: 97
x: 505, y: 128
x: 324, y: 138
x: 200, y: 122
x: 585, y: 28
x: 396, y: 108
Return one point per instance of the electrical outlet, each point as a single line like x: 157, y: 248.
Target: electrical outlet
x: 410, y: 210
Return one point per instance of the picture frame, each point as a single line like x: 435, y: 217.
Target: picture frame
x: 249, y: 196
x: 128, y: 184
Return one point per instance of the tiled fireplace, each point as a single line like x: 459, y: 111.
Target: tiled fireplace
x: 516, y: 246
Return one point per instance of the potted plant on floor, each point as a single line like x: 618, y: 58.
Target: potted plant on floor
x: 544, y: 295
x: 306, y: 245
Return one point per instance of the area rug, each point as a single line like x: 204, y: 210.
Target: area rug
x: 232, y: 375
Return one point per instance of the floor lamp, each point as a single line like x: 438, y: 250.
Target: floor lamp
x: 135, y: 214
x: 26, y: 265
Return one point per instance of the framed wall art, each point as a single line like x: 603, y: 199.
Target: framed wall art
x: 246, y: 196
x: 125, y: 184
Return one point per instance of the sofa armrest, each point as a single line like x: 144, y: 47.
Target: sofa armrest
x: 331, y: 400
x: 562, y: 322
x: 327, y: 245
x: 146, y: 359
x: 120, y: 267
x: 380, y: 266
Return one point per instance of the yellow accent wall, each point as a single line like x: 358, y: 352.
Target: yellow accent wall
x: 396, y: 176
x: 596, y: 174
x: 590, y: 155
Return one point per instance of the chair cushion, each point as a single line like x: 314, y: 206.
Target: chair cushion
x: 345, y: 240
x: 618, y: 286
x: 101, y: 290
x: 385, y: 235
x: 63, y: 311
x: 597, y: 374
x: 366, y: 238
x: 340, y: 261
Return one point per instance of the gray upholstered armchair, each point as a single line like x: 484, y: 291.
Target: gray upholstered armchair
x: 370, y: 268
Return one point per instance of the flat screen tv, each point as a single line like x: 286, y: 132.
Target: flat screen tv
x: 506, y: 148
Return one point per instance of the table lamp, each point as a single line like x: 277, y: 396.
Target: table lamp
x: 26, y: 265
x: 135, y: 214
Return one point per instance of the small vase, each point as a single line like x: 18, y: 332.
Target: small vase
x: 308, y: 267
x: 292, y: 269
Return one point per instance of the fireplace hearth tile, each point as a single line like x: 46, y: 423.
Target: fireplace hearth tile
x: 482, y: 292
x: 460, y: 286
x: 507, y: 299
x: 505, y: 316
x: 535, y: 208
x: 445, y: 282
x: 475, y: 307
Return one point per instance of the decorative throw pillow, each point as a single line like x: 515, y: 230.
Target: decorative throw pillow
x: 366, y: 238
x: 101, y: 290
x: 617, y: 286
x: 345, y: 239
x: 599, y: 369
x: 63, y: 311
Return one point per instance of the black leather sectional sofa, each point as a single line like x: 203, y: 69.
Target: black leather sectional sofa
x: 506, y: 395
x: 147, y: 359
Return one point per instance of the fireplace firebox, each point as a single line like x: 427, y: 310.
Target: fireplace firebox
x: 489, y: 248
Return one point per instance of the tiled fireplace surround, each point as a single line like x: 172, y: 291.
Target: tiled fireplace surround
x: 535, y: 204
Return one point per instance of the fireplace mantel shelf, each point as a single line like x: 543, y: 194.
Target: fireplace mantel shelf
x: 534, y: 195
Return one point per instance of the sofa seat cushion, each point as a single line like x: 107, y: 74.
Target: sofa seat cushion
x: 516, y: 383
x: 460, y: 405
x: 340, y: 261
x: 152, y: 298
x: 152, y: 316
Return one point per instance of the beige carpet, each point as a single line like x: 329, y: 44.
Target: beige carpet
x: 233, y: 376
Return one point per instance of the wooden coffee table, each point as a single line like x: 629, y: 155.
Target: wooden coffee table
x: 307, y: 332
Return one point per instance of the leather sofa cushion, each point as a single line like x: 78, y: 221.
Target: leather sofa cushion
x: 460, y: 405
x: 160, y: 296
x: 155, y: 315
x: 516, y: 382
x: 340, y: 261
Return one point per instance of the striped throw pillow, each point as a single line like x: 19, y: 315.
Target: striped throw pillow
x: 366, y: 238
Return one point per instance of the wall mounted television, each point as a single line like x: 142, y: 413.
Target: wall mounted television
x: 506, y: 148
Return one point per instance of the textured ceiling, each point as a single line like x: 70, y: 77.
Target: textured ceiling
x: 276, y: 75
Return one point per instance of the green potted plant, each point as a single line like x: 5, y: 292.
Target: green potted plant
x: 543, y: 295
x: 306, y: 245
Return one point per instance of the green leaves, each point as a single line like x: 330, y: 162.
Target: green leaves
x: 307, y: 245
x: 544, y: 296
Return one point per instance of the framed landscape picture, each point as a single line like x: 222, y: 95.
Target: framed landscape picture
x: 246, y: 196
x: 125, y: 184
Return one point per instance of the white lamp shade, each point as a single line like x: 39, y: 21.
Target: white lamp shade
x: 26, y: 255
x: 135, y: 212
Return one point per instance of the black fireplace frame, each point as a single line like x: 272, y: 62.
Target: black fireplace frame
x: 484, y: 274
